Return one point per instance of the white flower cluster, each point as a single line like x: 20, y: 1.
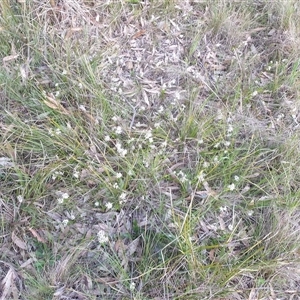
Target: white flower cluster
x: 63, y: 196
x: 206, y: 164
x: 231, y: 187
x: 181, y: 176
x: 108, y: 205
x: 118, y: 130
x: 65, y: 222
x: 119, y: 175
x: 201, y: 176
x: 121, y: 150
x: 76, y: 173
x: 102, y: 237
x: 132, y: 286
x: 57, y: 174
x: 54, y: 132
x: 229, y: 128
x: 148, y: 135
x: 20, y: 198
x: 122, y: 198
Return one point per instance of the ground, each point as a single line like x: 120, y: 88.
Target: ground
x: 149, y: 149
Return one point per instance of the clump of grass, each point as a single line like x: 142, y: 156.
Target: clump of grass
x: 142, y: 157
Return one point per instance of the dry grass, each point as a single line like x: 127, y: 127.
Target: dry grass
x: 149, y: 149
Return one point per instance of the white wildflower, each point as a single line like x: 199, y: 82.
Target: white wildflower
x: 160, y: 109
x: 217, y: 145
x: 52, y: 132
x: 148, y: 134
x: 81, y: 107
x: 250, y: 213
x: 177, y: 95
x: 76, y: 173
x: 118, y: 130
x: 120, y: 150
x: 236, y: 178
x: 230, y: 227
x: 108, y: 205
x: 130, y: 173
x: 107, y: 138
x: 200, y: 141
x: 97, y: 203
x: 115, y: 186
x: 122, y: 198
x: 206, y: 164
x: 216, y: 160
x: 80, y: 85
x: 20, y: 198
x: 56, y: 174
x: 119, y: 175
x: 223, y: 209
x: 102, y: 237
x: 164, y: 144
x: 182, y: 176
x: 132, y: 286
x: 115, y: 118
x: 226, y: 143
x: 231, y: 187
x: 65, y: 222
x: 63, y: 196
x: 60, y: 200
x: 118, y: 145
x: 201, y: 176
x: 230, y: 128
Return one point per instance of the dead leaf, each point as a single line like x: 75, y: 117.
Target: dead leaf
x: 36, y: 235
x: 131, y: 248
x: 71, y: 31
x: 212, y: 254
x: 138, y: 34
x: 20, y: 243
x: 107, y: 280
x: 52, y: 3
x: 26, y: 263
x: 7, y: 283
x: 24, y: 72
x: 222, y: 223
x: 120, y: 248
x: 9, y: 58
x: 54, y: 104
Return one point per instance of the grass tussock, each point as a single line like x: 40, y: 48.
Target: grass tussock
x: 149, y: 149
